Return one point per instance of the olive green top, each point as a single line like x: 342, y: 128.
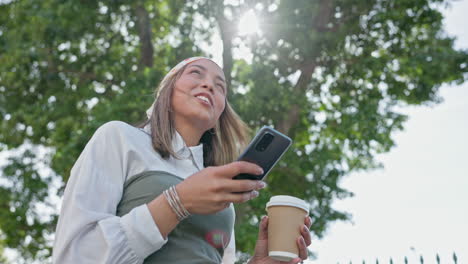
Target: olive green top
x: 197, y: 239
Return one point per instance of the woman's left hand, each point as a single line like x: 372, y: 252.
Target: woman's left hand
x: 261, y: 248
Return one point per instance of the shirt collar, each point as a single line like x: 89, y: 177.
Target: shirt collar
x: 178, y: 143
x: 197, y: 152
x: 180, y: 148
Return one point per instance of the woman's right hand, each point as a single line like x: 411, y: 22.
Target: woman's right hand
x: 213, y: 189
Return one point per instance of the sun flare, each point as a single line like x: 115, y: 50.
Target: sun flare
x: 248, y: 24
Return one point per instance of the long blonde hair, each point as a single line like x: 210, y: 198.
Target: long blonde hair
x: 221, y: 144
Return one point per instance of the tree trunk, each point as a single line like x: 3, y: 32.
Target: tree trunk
x: 144, y: 32
x: 227, y: 32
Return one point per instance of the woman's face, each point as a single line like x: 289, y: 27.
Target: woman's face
x: 199, y: 95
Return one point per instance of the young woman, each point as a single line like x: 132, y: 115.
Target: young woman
x: 163, y: 193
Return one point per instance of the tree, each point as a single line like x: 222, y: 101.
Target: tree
x: 66, y: 68
x: 330, y: 73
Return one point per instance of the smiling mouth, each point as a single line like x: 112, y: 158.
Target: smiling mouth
x: 204, y: 99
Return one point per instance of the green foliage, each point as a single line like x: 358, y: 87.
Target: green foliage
x: 2, y: 248
x: 330, y: 74
x: 23, y: 227
x: 66, y: 67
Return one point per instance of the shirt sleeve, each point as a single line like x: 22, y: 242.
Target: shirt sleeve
x: 229, y: 256
x: 88, y: 230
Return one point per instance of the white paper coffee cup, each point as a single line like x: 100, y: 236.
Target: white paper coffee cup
x: 286, y: 217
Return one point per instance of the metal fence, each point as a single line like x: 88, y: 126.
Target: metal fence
x: 405, y: 260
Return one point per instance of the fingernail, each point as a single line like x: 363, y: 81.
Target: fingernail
x: 254, y: 194
x: 302, y: 241
x: 304, y: 227
x: 259, y: 171
x: 261, y: 184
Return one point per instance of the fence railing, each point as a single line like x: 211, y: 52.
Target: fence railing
x: 405, y: 260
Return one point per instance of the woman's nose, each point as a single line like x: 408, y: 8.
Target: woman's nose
x: 208, y: 85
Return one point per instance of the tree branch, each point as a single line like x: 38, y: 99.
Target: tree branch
x: 321, y: 21
x: 324, y: 15
x: 299, y: 89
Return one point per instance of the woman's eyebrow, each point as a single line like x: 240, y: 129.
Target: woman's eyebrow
x: 203, y: 68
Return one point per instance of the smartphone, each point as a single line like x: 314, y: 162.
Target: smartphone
x: 265, y: 149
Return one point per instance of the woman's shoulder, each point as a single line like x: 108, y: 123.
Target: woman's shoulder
x: 117, y: 128
x: 115, y: 125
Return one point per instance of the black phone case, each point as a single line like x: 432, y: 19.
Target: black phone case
x: 267, y: 158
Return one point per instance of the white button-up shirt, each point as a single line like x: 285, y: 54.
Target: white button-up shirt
x: 88, y: 231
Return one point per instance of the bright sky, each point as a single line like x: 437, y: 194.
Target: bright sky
x: 417, y: 204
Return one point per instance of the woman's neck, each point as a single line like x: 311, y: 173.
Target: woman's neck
x: 191, y: 135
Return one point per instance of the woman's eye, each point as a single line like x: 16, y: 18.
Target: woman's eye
x: 221, y: 87
x: 196, y: 71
